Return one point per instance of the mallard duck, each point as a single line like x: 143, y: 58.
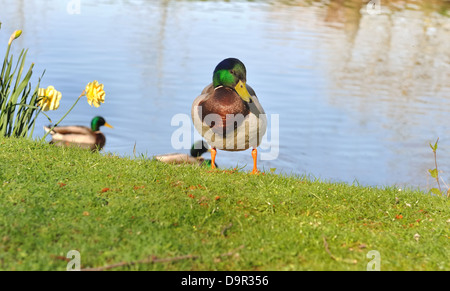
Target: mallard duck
x: 195, y: 157
x: 82, y: 136
x: 228, y: 114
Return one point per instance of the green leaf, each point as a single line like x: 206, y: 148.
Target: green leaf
x: 17, y: 116
x: 433, y: 173
x: 435, y: 191
x: 434, y: 147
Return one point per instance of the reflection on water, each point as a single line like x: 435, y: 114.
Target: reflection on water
x: 359, y: 96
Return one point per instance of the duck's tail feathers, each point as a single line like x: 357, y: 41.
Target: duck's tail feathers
x: 48, y: 128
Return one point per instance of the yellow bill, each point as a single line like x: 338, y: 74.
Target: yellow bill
x: 108, y: 125
x: 241, y: 89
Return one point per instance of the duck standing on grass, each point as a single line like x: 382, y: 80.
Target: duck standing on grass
x: 228, y: 114
x: 81, y: 136
x: 195, y: 157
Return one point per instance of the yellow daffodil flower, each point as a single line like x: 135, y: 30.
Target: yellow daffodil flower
x: 50, y: 98
x: 95, y: 94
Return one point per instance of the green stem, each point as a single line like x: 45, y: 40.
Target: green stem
x: 437, y: 172
x: 56, y: 124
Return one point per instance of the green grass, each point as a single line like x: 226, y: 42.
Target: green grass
x: 112, y: 210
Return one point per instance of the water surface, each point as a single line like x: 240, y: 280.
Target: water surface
x: 359, y: 96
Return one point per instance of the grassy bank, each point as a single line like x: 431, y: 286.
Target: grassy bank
x: 163, y: 217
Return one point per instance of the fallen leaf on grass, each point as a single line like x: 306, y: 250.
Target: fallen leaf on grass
x: 62, y: 258
x: 176, y: 184
x: 224, y: 171
x: 193, y: 187
x: 203, y: 201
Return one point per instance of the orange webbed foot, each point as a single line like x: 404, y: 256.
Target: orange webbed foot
x: 213, y: 158
x: 254, y: 156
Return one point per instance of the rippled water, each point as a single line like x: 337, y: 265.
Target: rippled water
x: 359, y: 96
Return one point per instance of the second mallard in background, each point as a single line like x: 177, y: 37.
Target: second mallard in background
x: 194, y: 158
x: 81, y: 136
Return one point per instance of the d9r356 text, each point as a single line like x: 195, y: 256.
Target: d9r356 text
x: 246, y: 280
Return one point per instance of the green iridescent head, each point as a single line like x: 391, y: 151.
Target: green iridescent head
x: 97, y: 122
x: 231, y: 73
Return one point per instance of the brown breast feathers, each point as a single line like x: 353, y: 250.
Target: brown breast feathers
x: 223, y: 102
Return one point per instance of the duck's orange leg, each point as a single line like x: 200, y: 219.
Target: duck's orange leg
x: 213, y: 158
x: 254, y: 155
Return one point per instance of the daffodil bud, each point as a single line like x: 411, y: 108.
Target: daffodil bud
x: 15, y: 35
